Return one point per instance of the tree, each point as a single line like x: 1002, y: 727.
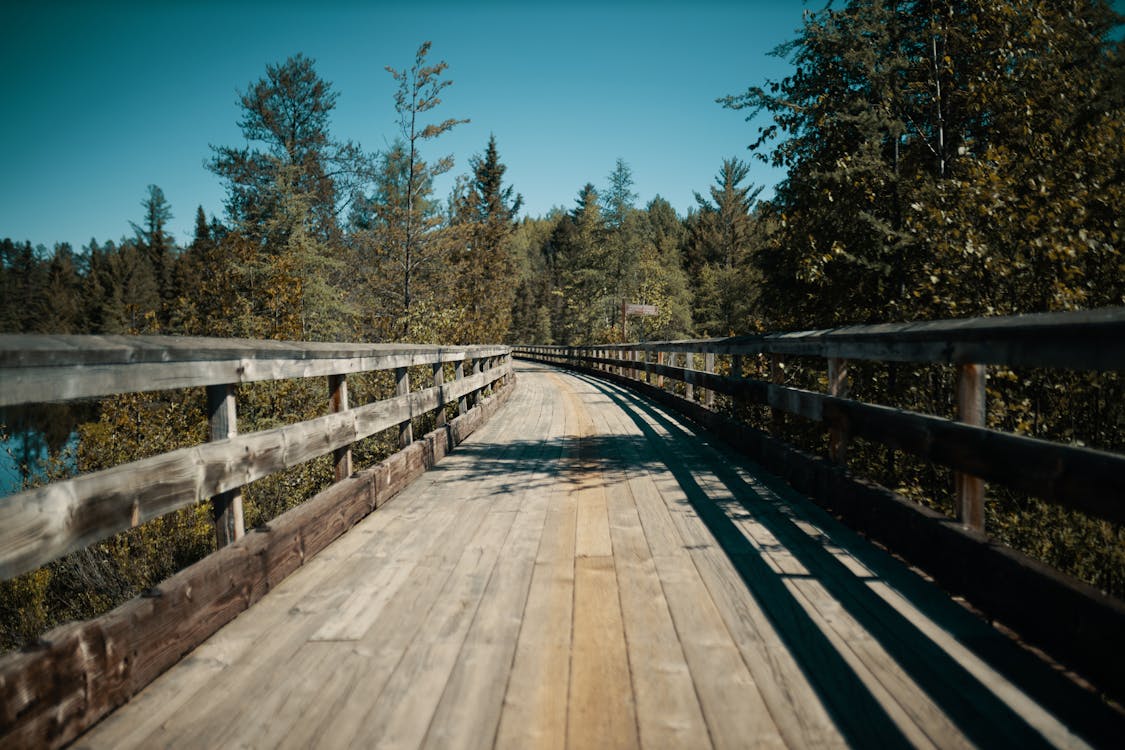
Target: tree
x: 722, y: 236
x: 283, y: 198
x: 581, y: 265
x: 59, y: 307
x: 156, y: 243
x: 486, y: 212
x: 411, y: 222
x: 619, y: 197
x: 288, y: 114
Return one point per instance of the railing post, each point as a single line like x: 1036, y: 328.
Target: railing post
x: 402, y: 388
x: 659, y: 376
x: 477, y: 369
x: 689, y: 389
x: 970, y: 410
x: 439, y: 381
x: 709, y: 366
x: 648, y: 369
x: 838, y: 386
x: 226, y: 507
x: 338, y: 402
x: 462, y: 401
x: 777, y: 377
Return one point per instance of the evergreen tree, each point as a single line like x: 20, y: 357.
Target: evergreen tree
x: 59, y: 306
x: 619, y: 198
x: 581, y: 265
x: 288, y: 114
x: 722, y: 236
x: 156, y: 243
x: 411, y: 222
x: 487, y: 216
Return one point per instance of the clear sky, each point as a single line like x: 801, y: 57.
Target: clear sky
x: 102, y: 99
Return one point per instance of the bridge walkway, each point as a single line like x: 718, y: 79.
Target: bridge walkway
x: 588, y: 570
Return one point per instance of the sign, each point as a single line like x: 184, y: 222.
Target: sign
x: 644, y: 310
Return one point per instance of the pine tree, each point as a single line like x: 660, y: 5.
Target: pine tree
x: 722, y: 237
x: 486, y: 214
x: 157, y: 244
x: 412, y: 222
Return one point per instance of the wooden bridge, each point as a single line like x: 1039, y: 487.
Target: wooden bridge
x: 599, y: 555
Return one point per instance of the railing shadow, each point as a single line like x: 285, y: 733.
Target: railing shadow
x: 984, y: 719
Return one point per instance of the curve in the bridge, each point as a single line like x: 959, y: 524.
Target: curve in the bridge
x: 588, y: 570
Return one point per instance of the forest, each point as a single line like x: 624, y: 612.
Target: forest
x: 943, y: 159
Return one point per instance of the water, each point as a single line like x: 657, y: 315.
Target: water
x: 34, y: 433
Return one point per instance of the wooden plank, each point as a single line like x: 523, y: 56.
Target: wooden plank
x: 601, y: 706
x: 535, y: 703
x: 43, y: 368
x: 42, y: 524
x: 970, y: 410
x: 1085, y: 340
x: 226, y: 507
x: 668, y: 711
x: 469, y: 712
x: 792, y: 704
x: 338, y: 402
x: 156, y: 632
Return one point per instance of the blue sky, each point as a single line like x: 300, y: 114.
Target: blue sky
x: 102, y: 99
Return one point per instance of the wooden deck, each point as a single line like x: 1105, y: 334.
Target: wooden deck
x: 589, y: 571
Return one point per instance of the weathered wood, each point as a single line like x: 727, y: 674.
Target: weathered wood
x: 459, y: 375
x: 1079, y: 478
x: 402, y: 388
x: 82, y: 671
x: 970, y: 410
x: 46, y: 368
x: 226, y: 507
x: 439, y: 382
x: 338, y: 402
x: 1086, y: 340
x: 777, y: 378
x: 838, y: 386
x: 474, y: 397
x: 39, y: 525
x: 709, y: 366
x: 1066, y: 617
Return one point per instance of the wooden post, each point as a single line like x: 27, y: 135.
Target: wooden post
x: 659, y: 376
x: 476, y: 394
x: 648, y: 370
x: 777, y: 377
x: 736, y: 366
x: 689, y: 389
x: 338, y: 402
x: 709, y: 366
x: 439, y: 381
x: 970, y: 410
x: 402, y: 388
x: 463, y: 401
x: 226, y: 507
x: 838, y: 386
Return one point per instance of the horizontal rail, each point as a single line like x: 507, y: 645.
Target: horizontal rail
x: 36, y: 369
x: 1079, y: 478
x: 1088, y: 340
x: 42, y: 524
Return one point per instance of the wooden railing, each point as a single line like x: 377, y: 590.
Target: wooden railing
x: 1062, y: 613
x: 42, y: 524
x: 55, y: 688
